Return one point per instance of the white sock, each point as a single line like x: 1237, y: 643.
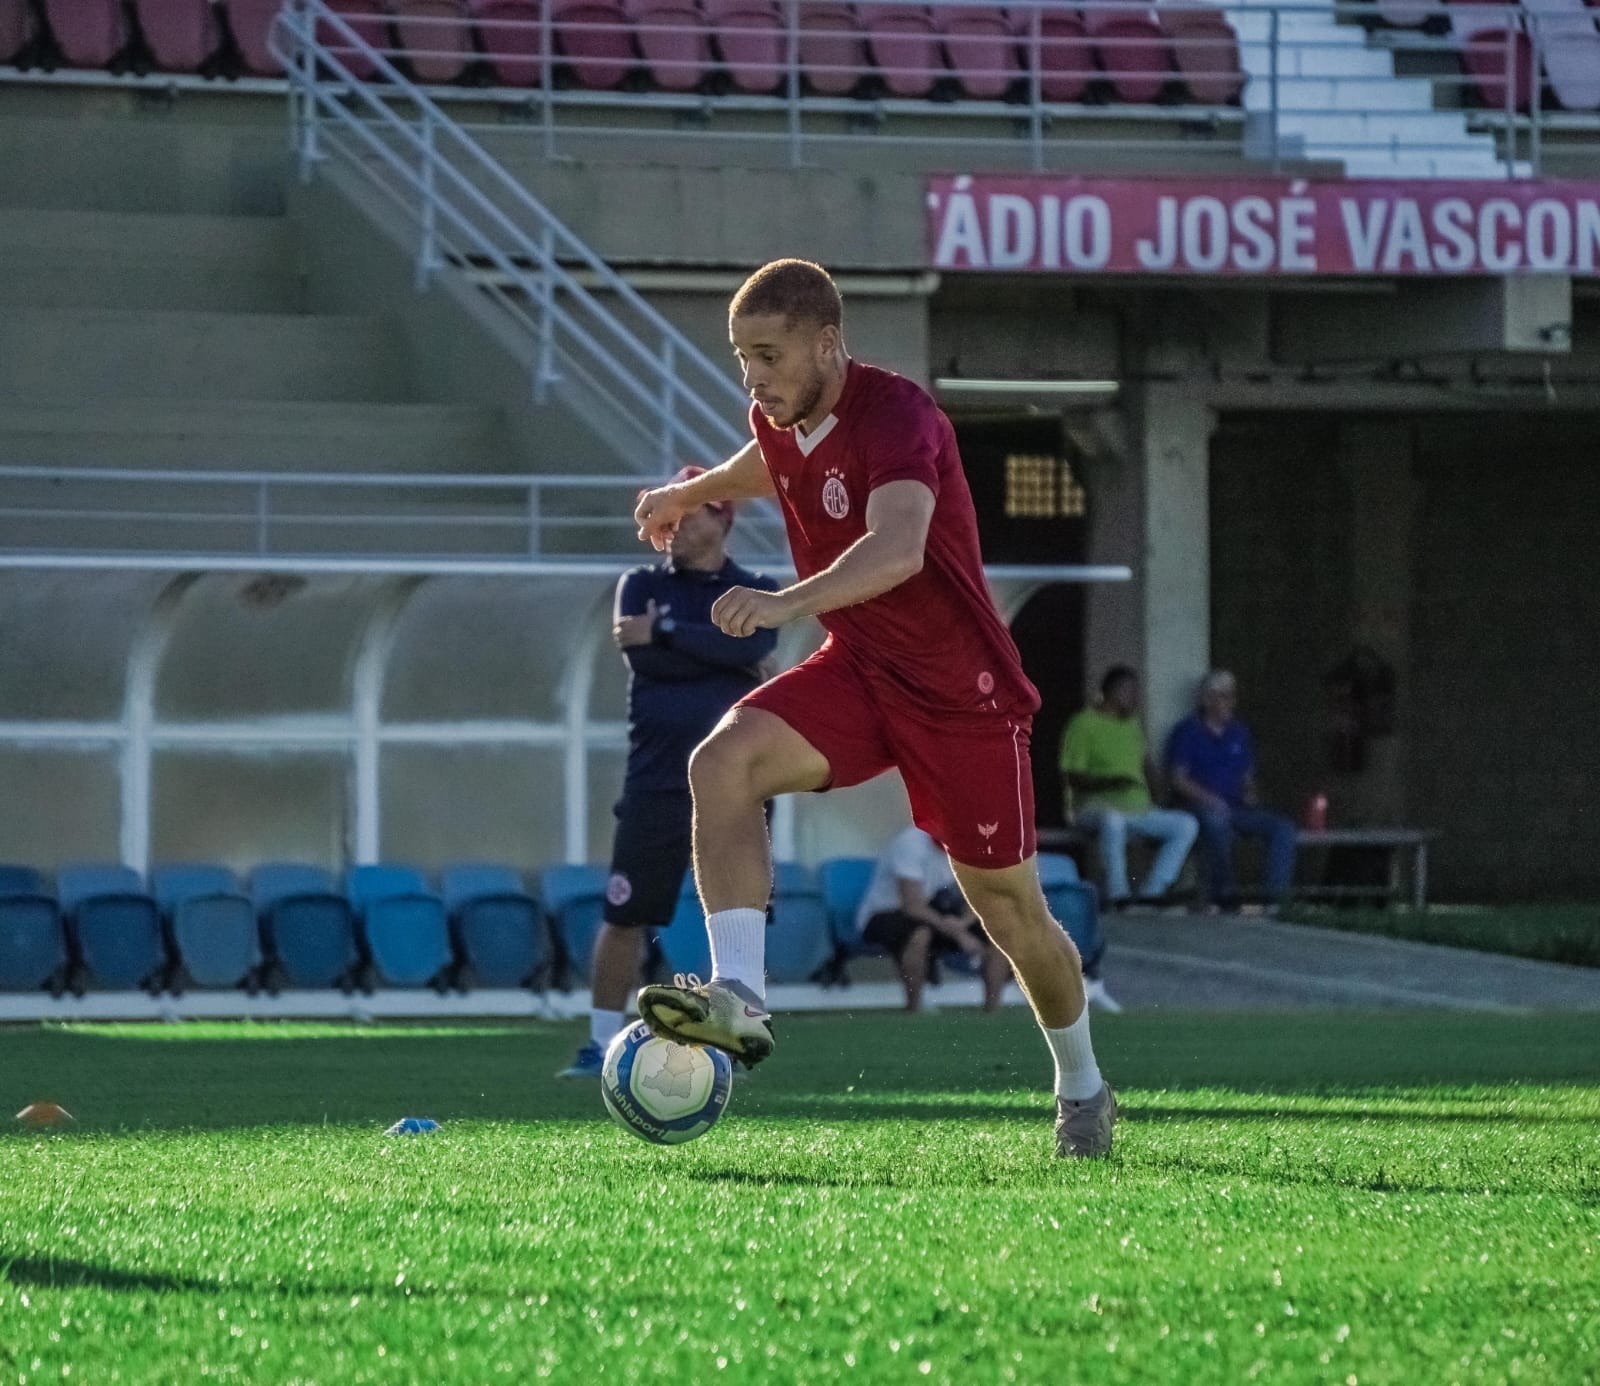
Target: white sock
x: 604, y: 1026
x: 739, y: 948
x: 1077, y: 1075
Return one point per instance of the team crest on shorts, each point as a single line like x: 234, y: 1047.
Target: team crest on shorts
x: 619, y: 889
x: 835, y: 499
x: 986, y: 683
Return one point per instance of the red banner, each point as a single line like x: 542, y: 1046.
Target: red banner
x: 1243, y: 227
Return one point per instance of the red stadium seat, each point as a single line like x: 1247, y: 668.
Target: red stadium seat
x: 833, y: 51
x: 753, y: 42
x: 181, y: 34
x: 905, y: 46
x: 515, y: 54
x: 435, y: 36
x: 594, y: 38
x: 675, y: 40
x: 17, y: 28
x: 1206, y: 51
x: 1492, y: 52
x: 251, y: 21
x: 1132, y: 52
x: 980, y: 44
x: 89, y: 33
x: 1408, y: 14
x: 1570, y: 46
x: 370, y: 20
x: 1066, y: 58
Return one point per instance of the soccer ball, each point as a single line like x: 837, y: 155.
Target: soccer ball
x: 663, y: 1092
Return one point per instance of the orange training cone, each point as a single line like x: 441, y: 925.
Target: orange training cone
x: 44, y: 1116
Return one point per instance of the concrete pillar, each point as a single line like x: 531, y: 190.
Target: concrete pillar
x: 1376, y: 455
x: 1174, y: 448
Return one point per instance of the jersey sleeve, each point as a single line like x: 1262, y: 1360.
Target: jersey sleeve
x: 899, y: 437
x: 633, y: 592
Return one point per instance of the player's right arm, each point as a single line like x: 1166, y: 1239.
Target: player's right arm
x: 744, y: 476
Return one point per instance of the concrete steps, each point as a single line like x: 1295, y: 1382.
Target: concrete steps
x: 252, y: 435
x: 130, y: 260
x: 82, y: 354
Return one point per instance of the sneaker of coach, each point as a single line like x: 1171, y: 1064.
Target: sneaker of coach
x: 723, y: 1015
x: 1083, y: 1129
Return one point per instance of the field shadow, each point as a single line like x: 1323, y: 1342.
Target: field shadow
x: 65, y: 1273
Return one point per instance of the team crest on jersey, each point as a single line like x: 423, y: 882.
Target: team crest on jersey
x: 619, y: 890
x: 835, y: 499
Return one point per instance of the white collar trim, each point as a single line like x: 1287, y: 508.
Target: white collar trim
x: 809, y: 442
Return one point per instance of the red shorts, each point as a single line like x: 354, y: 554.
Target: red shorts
x: 970, y: 781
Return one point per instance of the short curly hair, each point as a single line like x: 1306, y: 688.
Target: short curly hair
x: 797, y: 289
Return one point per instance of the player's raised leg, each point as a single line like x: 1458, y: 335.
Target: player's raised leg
x: 1018, y: 921
x: 752, y: 756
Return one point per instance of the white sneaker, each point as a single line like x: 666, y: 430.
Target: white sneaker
x: 1095, y: 993
x: 723, y: 1015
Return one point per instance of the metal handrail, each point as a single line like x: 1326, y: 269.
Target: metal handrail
x: 644, y: 368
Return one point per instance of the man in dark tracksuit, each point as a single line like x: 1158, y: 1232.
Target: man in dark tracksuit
x: 684, y: 674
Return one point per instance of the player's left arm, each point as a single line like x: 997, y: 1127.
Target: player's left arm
x: 890, y: 552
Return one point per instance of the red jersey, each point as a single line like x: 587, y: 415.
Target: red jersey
x: 935, y: 645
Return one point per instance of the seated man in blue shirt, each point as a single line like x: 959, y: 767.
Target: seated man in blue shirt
x: 1211, y: 762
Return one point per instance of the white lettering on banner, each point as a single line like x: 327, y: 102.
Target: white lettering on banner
x: 1363, y: 227
x: 961, y: 231
x: 1050, y: 231
x: 1205, y: 233
x: 1296, y: 229
x: 1490, y: 255
x: 1452, y: 222
x: 1012, y: 233
x: 1549, y: 235
x: 1251, y: 219
x: 1588, y: 235
x: 1161, y: 253
x: 1406, y: 237
x: 1087, y: 233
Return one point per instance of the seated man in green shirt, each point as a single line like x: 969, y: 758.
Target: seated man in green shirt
x: 1107, y: 774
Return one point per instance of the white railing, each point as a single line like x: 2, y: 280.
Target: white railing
x: 275, y: 515
x: 468, y: 211
x: 1041, y: 81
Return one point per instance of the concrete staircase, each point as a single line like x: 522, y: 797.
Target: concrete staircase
x: 1339, y: 100
x: 163, y: 337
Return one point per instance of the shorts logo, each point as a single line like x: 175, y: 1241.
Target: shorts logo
x: 619, y: 889
x: 988, y: 829
x: 835, y: 499
x: 785, y: 481
x: 986, y: 683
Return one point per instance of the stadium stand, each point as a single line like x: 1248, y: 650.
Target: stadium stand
x: 1075, y: 904
x: 685, y: 945
x: 18, y: 28
x: 113, y: 927
x: 833, y: 51
x: 750, y: 37
x: 1569, y: 47
x: 307, y: 927
x: 181, y: 35
x: 251, y: 23
x: 498, y: 930
x: 1491, y: 47
x: 595, y: 39
x: 575, y: 897
x: 88, y: 33
x: 402, y: 925
x: 980, y: 45
x: 1205, y: 51
x: 211, y: 926
x: 800, y: 942
x: 370, y: 19
x: 33, y: 943
x: 1132, y: 51
x: 436, y: 38
x: 512, y: 40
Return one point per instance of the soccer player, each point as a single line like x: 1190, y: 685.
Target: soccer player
x: 918, y: 672
x: 683, y: 674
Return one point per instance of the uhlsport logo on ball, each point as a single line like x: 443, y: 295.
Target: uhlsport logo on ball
x: 664, y: 1092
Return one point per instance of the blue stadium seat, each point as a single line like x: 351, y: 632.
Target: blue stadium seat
x: 307, y: 928
x: 211, y: 924
x: 800, y: 941
x: 1075, y: 903
x: 402, y: 923
x: 114, y: 926
x: 685, y: 947
x: 575, y: 897
x: 33, y: 944
x: 498, y: 928
x: 844, y: 881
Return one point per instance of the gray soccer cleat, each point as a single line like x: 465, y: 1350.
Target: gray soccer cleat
x: 723, y: 1015
x: 1083, y: 1129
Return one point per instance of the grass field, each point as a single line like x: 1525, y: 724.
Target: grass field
x: 1400, y: 1198
x: 1553, y: 933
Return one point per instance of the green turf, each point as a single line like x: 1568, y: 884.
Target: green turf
x: 1358, y: 1199
x: 1553, y: 933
